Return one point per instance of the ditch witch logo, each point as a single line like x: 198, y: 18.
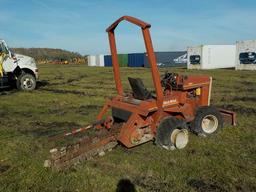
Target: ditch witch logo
x: 170, y: 102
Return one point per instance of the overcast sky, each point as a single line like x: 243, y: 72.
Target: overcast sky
x: 79, y: 25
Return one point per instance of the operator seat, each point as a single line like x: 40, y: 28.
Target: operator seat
x: 139, y: 90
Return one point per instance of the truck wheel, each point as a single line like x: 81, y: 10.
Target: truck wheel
x: 172, y: 133
x: 207, y: 121
x: 26, y: 82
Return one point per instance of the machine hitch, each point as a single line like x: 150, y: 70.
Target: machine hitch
x: 229, y: 117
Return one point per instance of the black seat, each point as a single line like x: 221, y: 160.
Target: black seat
x: 139, y: 90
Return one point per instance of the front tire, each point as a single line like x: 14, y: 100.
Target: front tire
x: 172, y: 134
x: 207, y: 121
x: 26, y: 82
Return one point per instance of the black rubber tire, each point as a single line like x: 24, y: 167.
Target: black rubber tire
x: 165, y: 130
x: 201, y: 113
x: 21, y: 85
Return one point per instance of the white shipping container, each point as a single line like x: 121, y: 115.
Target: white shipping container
x: 91, y: 60
x: 100, y: 60
x: 211, y: 57
x: 246, y: 55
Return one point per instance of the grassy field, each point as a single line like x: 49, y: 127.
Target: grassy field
x: 70, y: 96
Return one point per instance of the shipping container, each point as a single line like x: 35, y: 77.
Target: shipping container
x: 100, y: 60
x: 91, y: 60
x: 211, y: 57
x: 136, y: 59
x: 169, y: 59
x: 246, y: 55
x: 107, y: 61
x: 122, y: 60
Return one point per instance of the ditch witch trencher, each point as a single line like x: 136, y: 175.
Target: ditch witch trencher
x: 180, y: 104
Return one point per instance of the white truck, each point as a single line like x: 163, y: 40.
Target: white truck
x: 18, y: 70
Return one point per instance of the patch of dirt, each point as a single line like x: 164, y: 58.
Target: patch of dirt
x: 244, y: 187
x: 4, y: 168
x: 103, y: 166
x: 253, y: 89
x: 248, y: 83
x: 69, y: 81
x: 42, y: 83
x: 76, y: 79
x: 54, y: 124
x: 248, y: 86
x: 86, y: 109
x: 59, y: 112
x: 60, y: 77
x: 172, y: 163
x: 24, y: 114
x: 238, y: 109
x: 60, y: 91
x: 47, y: 129
x: 100, y: 82
x: 3, y: 113
x: 191, y: 152
x: 151, y: 182
x: 200, y: 185
x: 246, y: 98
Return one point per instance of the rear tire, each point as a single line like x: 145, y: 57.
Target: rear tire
x: 172, y: 134
x: 207, y: 121
x: 26, y: 82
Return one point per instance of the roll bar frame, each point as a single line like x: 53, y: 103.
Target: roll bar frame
x: 150, y: 52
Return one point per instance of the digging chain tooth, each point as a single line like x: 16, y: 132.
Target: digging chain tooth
x: 54, y: 153
x: 86, y: 148
x: 63, y: 151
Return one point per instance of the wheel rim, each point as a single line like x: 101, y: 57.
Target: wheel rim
x: 28, y: 83
x: 209, y: 124
x: 179, y: 138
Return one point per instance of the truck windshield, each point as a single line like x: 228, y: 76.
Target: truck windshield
x: 4, y: 49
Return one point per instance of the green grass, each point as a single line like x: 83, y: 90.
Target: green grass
x: 71, y: 96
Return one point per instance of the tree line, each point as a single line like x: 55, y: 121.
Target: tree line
x: 49, y: 55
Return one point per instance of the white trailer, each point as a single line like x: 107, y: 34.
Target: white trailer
x: 246, y: 55
x: 95, y: 60
x: 211, y: 57
x: 100, y: 60
x: 91, y: 60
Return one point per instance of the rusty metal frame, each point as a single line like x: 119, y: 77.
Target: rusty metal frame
x: 150, y: 52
